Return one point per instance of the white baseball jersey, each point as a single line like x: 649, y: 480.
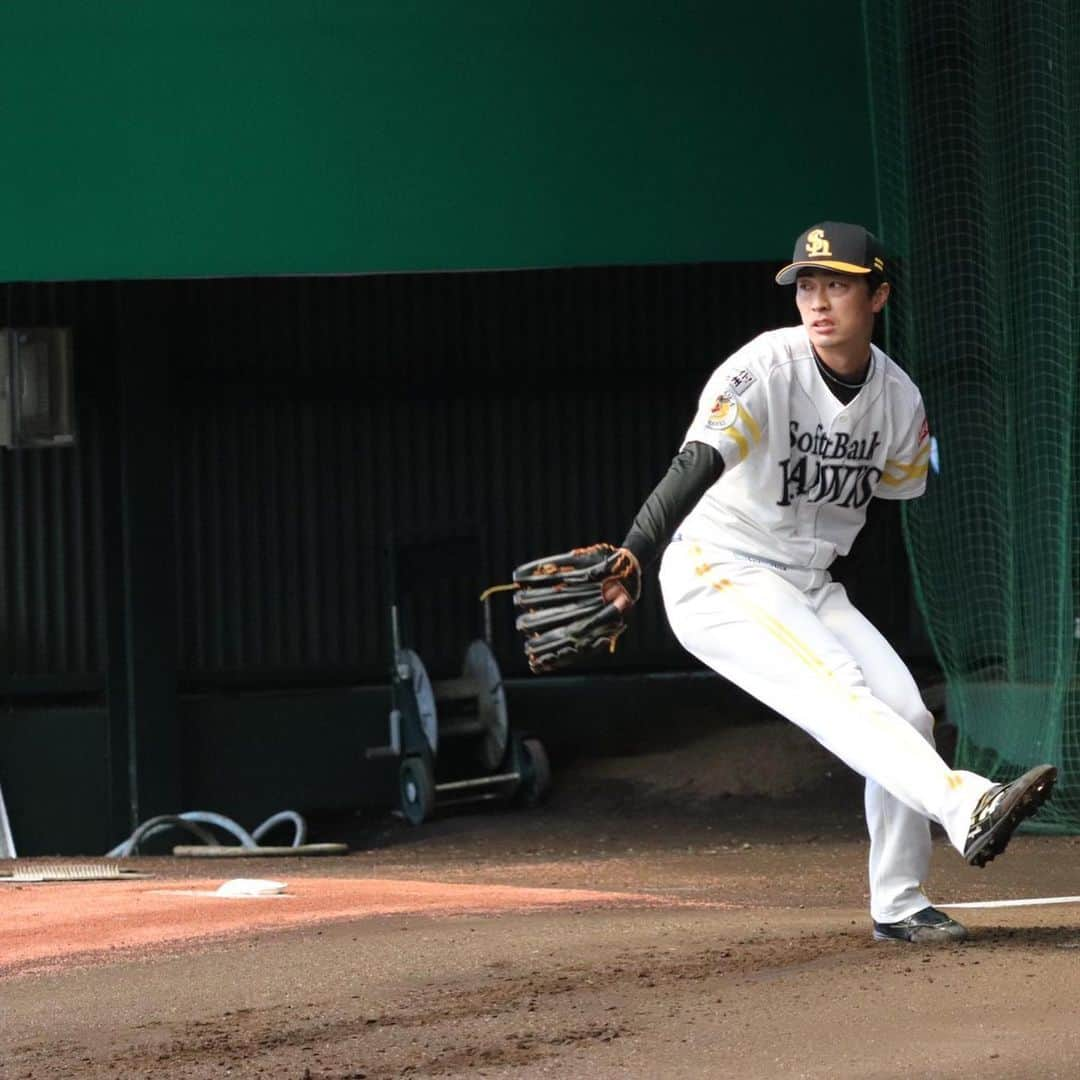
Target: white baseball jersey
x: 799, y: 466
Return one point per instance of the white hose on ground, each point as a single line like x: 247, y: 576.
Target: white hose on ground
x: 194, y: 820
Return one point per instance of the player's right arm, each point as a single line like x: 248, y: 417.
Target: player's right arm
x: 694, y: 469
x: 723, y: 433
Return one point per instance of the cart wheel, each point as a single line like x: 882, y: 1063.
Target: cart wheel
x: 535, y: 772
x: 417, y: 789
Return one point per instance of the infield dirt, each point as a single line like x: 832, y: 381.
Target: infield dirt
x: 696, y: 910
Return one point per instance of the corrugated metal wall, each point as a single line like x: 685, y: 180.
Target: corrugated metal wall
x: 499, y: 416
x: 318, y: 418
x: 52, y: 566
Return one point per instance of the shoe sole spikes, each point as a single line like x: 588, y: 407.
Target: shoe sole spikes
x: 1024, y: 796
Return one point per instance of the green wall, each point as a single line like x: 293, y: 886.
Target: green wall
x: 239, y: 137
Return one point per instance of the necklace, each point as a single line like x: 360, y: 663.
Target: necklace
x: 824, y: 369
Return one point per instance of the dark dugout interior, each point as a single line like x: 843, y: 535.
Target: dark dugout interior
x: 207, y: 567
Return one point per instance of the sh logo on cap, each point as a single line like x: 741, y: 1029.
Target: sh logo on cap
x: 817, y: 244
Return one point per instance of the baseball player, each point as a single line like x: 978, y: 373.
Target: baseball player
x: 794, y: 434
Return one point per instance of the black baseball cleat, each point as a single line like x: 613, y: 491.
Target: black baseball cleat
x: 1002, y: 808
x: 926, y: 927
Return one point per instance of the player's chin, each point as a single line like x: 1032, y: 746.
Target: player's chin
x: 824, y: 339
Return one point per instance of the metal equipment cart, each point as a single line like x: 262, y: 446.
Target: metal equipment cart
x: 452, y: 735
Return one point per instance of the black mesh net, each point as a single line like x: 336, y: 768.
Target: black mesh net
x: 976, y: 122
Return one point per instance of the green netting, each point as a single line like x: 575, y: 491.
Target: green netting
x: 976, y: 109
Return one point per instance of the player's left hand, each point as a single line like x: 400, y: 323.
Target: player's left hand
x: 575, y: 603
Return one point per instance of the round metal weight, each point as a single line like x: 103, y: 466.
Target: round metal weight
x: 535, y: 771
x: 424, y: 696
x: 482, y: 668
x: 416, y: 787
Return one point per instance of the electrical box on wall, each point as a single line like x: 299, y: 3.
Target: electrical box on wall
x: 37, y: 406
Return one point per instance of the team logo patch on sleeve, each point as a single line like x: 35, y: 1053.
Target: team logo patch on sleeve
x: 723, y: 413
x: 741, y: 381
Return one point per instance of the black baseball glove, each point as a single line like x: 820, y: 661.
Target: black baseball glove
x: 574, y: 603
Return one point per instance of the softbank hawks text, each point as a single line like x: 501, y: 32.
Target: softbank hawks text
x: 829, y: 468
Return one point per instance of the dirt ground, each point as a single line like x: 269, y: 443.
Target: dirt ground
x: 696, y: 910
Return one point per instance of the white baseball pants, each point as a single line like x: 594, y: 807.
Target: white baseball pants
x: 793, y: 640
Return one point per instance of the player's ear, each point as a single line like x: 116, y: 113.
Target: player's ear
x: 881, y: 294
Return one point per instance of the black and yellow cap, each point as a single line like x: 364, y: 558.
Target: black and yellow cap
x: 835, y: 245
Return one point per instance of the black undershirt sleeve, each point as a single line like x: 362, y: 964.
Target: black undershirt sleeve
x: 692, y: 472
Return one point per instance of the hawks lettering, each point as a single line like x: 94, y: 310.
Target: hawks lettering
x: 849, y: 486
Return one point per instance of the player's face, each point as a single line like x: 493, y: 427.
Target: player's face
x: 837, y: 309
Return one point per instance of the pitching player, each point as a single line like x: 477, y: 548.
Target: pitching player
x: 794, y: 434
